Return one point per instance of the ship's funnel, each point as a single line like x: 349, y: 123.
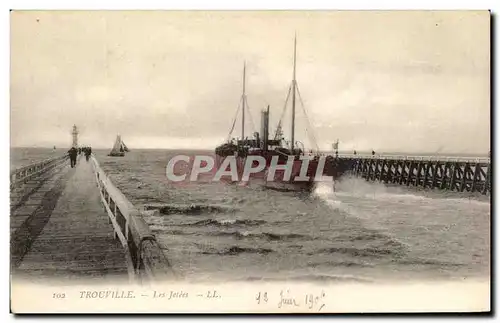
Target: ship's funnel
x: 264, y: 130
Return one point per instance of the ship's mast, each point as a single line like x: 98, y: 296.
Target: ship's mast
x: 293, y: 92
x: 243, y: 110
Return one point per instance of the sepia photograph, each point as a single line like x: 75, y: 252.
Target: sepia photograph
x: 240, y: 161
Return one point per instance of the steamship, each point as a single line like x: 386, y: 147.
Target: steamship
x: 263, y: 145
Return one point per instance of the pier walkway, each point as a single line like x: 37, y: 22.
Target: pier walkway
x: 62, y: 229
x: 77, y: 241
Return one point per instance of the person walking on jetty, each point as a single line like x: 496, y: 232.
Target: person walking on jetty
x: 73, y: 152
x: 88, y: 152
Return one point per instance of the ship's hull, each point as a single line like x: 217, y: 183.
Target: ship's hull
x: 261, y: 178
x: 116, y: 154
x: 290, y: 186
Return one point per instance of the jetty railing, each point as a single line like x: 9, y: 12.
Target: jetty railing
x: 420, y: 158
x: 145, y: 259
x: 23, y: 174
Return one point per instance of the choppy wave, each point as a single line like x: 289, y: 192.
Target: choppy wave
x: 339, y: 264
x: 470, y: 200
x: 226, y: 222
x: 235, y: 250
x: 236, y: 234
x: 362, y: 252
x: 265, y: 235
x: 427, y: 262
x: 162, y: 229
x: 191, y: 209
x: 359, y: 187
x: 356, y: 187
x: 365, y: 236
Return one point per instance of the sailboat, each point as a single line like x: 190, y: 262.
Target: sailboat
x: 119, y: 148
x: 263, y: 146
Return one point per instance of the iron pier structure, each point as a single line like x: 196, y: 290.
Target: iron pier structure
x: 460, y: 174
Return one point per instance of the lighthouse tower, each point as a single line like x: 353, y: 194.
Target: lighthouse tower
x: 75, y: 136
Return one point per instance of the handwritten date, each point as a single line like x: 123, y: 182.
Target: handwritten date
x: 287, y: 299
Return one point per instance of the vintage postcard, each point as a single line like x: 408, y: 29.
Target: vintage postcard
x: 250, y: 161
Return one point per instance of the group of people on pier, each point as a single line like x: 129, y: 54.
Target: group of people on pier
x: 74, y: 152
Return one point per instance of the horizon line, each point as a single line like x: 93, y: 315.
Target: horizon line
x: 426, y: 153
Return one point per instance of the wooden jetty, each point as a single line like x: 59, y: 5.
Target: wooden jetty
x: 460, y: 174
x: 73, y: 224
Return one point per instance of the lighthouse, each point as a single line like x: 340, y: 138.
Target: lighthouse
x: 75, y: 136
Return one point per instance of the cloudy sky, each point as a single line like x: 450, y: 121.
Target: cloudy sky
x: 389, y: 81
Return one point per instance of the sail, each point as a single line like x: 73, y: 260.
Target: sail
x: 117, y: 147
x: 125, y: 148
